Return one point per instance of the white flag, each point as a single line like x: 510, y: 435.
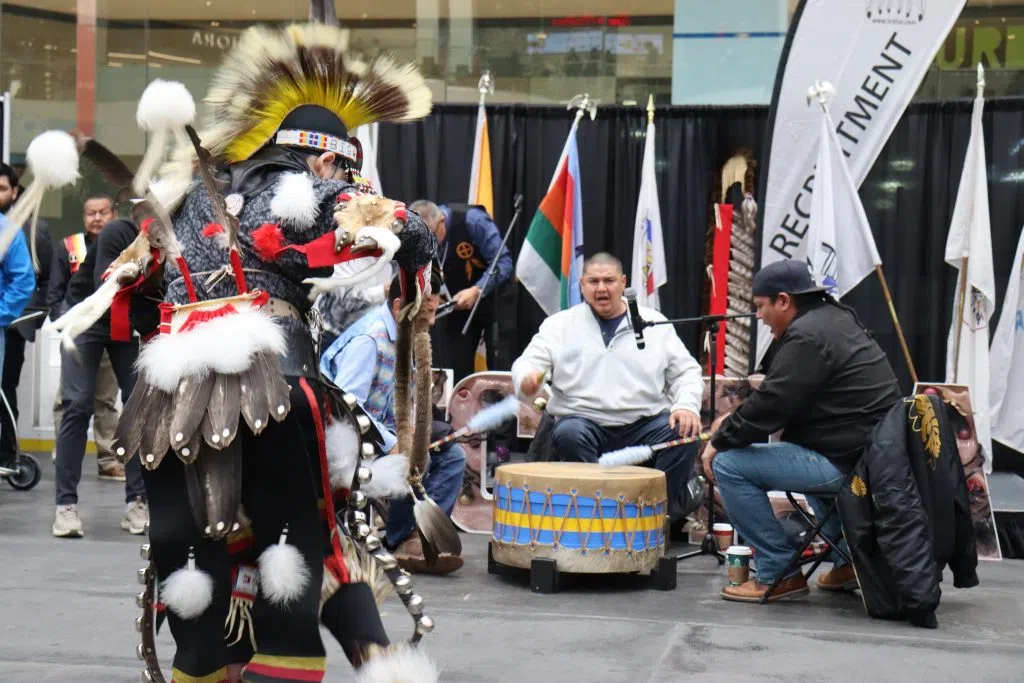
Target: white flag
x: 970, y: 237
x: 649, y: 272
x: 367, y: 136
x: 840, y: 245
x: 1006, y: 397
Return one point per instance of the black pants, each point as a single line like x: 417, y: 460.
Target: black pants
x: 278, y: 488
x: 351, y: 614
x: 457, y: 351
x: 78, y: 393
x: 14, y: 359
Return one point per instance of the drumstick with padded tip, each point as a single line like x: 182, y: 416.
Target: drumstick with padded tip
x: 634, y: 455
x: 487, y: 419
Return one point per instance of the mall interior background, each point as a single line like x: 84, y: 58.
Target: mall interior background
x: 83, y: 63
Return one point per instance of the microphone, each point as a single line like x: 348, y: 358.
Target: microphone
x: 634, y: 316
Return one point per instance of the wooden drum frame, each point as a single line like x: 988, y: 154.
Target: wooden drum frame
x: 581, y: 518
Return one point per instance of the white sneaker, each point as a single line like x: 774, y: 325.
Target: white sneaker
x: 67, y: 524
x: 136, y: 517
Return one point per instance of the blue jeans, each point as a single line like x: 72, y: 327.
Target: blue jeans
x: 576, y: 439
x: 442, y: 482
x: 744, y: 477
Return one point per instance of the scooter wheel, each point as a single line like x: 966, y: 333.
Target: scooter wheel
x: 28, y: 473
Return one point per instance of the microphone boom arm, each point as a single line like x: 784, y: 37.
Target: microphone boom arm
x: 518, y: 203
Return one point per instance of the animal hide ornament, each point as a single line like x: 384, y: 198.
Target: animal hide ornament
x: 731, y: 255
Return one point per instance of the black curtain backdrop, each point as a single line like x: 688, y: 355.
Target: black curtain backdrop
x: 908, y: 197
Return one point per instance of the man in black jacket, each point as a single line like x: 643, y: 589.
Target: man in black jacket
x: 826, y: 388
x: 78, y: 386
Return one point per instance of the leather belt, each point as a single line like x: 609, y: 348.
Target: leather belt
x: 279, y: 308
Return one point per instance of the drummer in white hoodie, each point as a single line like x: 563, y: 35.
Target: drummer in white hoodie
x: 605, y: 392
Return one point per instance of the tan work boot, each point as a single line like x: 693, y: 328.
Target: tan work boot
x: 793, y: 587
x: 411, y: 558
x: 110, y: 469
x: 839, y: 579
x: 66, y: 523
x: 136, y: 517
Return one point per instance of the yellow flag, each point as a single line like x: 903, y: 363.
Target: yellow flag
x: 481, y: 190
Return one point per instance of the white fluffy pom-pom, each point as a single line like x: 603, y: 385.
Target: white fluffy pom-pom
x: 390, y: 477
x: 295, y: 201
x: 284, y: 575
x: 53, y: 158
x: 342, y: 443
x: 165, y: 105
x: 402, y: 664
x: 188, y: 592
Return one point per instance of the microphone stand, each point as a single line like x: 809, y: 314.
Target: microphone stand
x: 709, y: 546
x: 518, y: 204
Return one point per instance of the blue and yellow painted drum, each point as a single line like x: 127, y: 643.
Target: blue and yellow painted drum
x: 588, y: 518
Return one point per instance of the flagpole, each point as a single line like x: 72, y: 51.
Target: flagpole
x: 819, y: 90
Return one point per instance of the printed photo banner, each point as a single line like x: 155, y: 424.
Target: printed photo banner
x: 875, y: 53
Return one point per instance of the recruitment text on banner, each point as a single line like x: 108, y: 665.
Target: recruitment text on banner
x: 876, y: 56
x: 969, y: 250
x: 648, y: 271
x: 551, y: 261
x: 1007, y: 361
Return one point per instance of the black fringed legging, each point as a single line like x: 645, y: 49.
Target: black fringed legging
x: 278, y: 489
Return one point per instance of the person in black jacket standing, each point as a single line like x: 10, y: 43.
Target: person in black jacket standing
x: 19, y: 335
x: 78, y: 387
x: 826, y: 388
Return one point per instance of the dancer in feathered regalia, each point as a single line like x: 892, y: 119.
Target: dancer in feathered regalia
x: 229, y: 416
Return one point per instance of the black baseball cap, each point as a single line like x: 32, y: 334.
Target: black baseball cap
x: 790, y: 277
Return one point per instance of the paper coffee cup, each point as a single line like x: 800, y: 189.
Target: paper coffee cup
x: 738, y: 557
x: 723, y: 535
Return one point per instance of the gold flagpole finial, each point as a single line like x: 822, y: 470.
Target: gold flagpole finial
x: 650, y: 109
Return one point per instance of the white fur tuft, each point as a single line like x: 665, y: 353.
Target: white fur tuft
x: 400, y: 664
x: 342, y: 453
x: 284, y: 575
x: 295, y: 201
x: 188, y: 592
x: 224, y: 345
x: 53, y: 158
x: 165, y: 105
x: 632, y: 455
x: 390, y: 477
x: 492, y: 417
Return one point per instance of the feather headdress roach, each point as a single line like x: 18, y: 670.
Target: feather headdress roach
x: 273, y: 72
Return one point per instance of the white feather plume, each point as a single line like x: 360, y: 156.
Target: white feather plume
x: 284, y: 575
x: 188, y: 592
x: 492, y: 417
x: 399, y: 664
x: 631, y: 455
x: 165, y: 108
x: 390, y: 477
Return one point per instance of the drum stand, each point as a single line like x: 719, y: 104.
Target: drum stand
x: 665, y: 575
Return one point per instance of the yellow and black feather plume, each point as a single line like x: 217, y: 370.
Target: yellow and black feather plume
x: 272, y: 72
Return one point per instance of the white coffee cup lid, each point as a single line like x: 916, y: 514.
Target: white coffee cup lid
x: 721, y: 527
x: 739, y: 550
